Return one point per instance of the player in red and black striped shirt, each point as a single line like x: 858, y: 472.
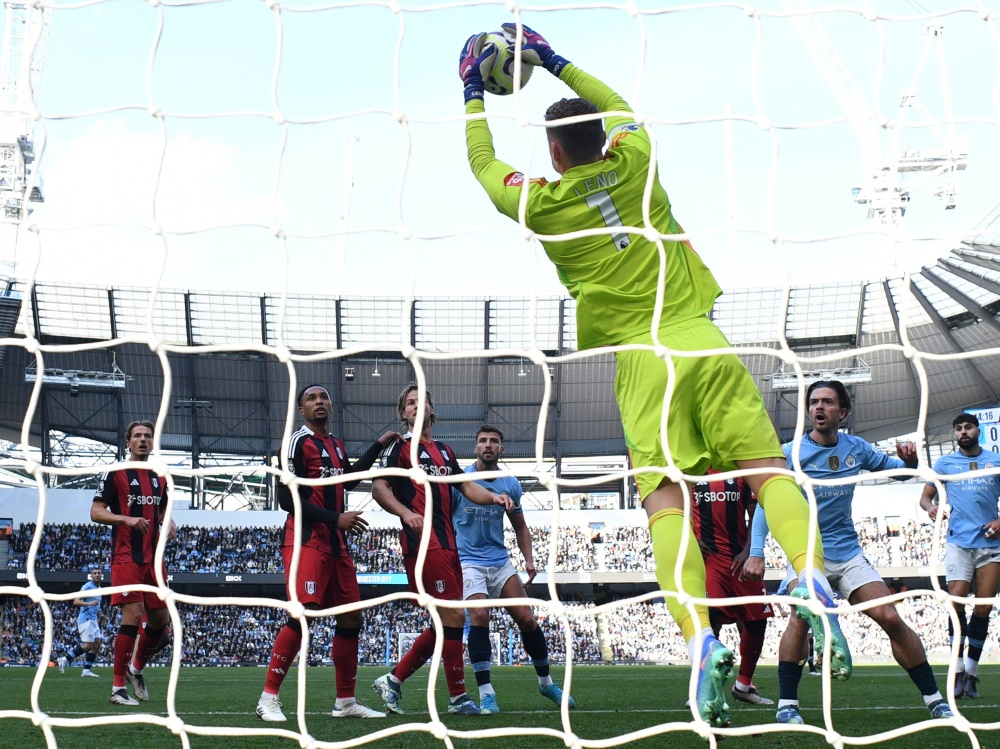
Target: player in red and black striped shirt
x: 720, y: 510
x: 442, y: 571
x: 326, y: 576
x: 132, y: 501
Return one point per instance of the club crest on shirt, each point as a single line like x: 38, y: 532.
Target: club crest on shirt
x: 973, y: 466
x: 850, y: 461
x: 989, y: 465
x: 834, y: 462
x: 310, y: 587
x: 439, y: 586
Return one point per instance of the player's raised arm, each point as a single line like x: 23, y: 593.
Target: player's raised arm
x: 482, y: 496
x: 367, y: 460
x: 537, y: 51
x: 501, y: 181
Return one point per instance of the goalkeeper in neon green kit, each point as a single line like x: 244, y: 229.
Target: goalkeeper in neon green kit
x: 716, y: 416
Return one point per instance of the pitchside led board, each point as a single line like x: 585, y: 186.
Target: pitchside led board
x: 989, y: 427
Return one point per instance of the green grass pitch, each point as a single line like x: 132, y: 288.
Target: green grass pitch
x: 612, y: 701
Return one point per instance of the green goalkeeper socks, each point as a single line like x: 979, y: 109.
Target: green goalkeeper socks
x: 666, y: 528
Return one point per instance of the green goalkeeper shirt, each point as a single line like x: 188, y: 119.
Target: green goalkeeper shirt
x: 613, y: 277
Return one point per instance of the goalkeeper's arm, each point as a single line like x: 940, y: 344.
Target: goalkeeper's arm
x: 501, y: 181
x: 537, y: 51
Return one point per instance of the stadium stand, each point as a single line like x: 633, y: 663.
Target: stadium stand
x: 79, y: 546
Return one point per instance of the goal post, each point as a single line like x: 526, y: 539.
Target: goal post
x: 498, y: 655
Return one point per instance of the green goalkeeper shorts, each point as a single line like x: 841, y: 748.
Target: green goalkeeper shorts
x: 716, y: 414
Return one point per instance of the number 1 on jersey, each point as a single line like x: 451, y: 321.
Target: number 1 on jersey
x: 602, y: 201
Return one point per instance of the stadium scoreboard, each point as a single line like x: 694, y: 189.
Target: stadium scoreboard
x: 989, y: 426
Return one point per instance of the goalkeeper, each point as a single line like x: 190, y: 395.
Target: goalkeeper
x: 716, y: 416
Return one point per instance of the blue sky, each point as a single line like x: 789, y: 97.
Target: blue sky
x: 213, y: 76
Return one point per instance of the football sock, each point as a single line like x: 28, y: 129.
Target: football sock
x: 788, y: 518
x: 963, y: 632
x: 789, y: 676
x: 77, y: 652
x: 666, y: 528
x: 149, y: 639
x: 923, y: 677
x: 90, y: 660
x: 454, y: 661
x: 124, y: 645
x: 693, y: 654
x: 751, y: 645
x: 480, y: 652
x: 286, y: 646
x: 421, y: 649
x: 536, y: 647
x: 345, y: 660
x: 978, y: 629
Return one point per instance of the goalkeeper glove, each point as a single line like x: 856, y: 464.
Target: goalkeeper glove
x: 536, y: 51
x: 474, y: 64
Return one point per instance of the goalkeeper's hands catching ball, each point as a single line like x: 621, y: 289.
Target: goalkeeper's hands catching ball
x: 535, y: 51
x: 474, y: 65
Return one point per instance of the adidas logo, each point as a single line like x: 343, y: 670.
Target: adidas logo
x: 135, y: 482
x: 325, y: 453
x: 423, y: 454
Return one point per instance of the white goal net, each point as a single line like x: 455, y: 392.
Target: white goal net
x: 287, y: 186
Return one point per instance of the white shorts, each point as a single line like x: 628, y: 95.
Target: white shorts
x: 847, y: 576
x: 961, y: 564
x: 89, y: 631
x: 486, y: 580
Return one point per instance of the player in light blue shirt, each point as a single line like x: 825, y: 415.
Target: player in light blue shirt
x: 972, y: 550
x: 489, y: 573
x: 88, y: 624
x: 826, y: 453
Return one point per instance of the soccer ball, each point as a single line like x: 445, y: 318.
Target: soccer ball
x: 501, y: 78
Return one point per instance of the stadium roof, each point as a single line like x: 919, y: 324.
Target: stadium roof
x: 229, y: 384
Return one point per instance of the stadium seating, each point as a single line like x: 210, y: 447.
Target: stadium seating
x: 224, y: 550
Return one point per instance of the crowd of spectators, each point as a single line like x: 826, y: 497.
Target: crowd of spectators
x: 229, y: 635
x: 258, y: 550
x: 624, y: 631
x: 646, y: 632
x: 920, y: 542
x: 63, y: 546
